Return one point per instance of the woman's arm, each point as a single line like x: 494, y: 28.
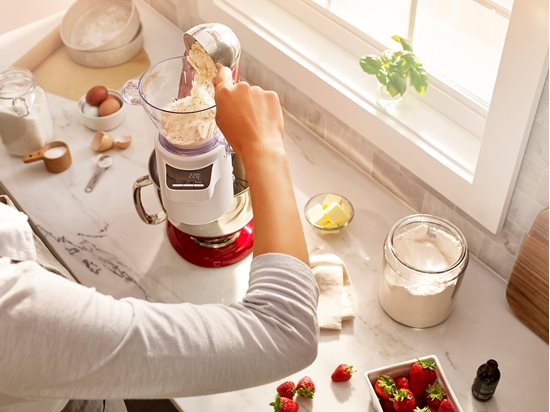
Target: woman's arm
x: 68, y: 341
x: 63, y: 340
x: 252, y: 122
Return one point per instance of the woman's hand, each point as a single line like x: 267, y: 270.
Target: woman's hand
x: 249, y: 117
x: 251, y: 120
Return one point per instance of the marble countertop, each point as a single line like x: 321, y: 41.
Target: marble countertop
x: 105, y: 244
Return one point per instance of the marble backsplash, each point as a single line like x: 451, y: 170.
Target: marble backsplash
x: 530, y: 195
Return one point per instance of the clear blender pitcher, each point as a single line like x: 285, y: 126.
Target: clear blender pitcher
x: 157, y: 91
x: 193, y: 158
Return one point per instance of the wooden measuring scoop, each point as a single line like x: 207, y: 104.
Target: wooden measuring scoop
x: 56, y: 156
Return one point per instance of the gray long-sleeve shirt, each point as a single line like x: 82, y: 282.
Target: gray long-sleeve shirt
x: 61, y: 340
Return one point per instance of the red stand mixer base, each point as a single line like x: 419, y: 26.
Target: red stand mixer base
x: 188, y: 247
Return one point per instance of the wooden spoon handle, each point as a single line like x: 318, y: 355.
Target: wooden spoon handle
x: 34, y: 156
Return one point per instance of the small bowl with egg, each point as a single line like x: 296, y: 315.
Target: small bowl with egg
x: 328, y: 212
x: 101, y: 108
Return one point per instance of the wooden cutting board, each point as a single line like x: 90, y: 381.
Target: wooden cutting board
x: 527, y: 290
x: 57, y: 73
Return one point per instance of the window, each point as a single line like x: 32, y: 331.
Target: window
x: 460, y: 41
x: 465, y: 137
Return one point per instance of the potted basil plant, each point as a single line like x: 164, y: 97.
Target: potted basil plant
x: 396, y: 69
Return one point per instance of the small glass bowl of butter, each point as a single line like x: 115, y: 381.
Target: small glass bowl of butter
x: 328, y: 212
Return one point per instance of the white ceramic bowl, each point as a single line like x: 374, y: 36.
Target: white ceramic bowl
x: 103, y: 122
x: 108, y: 58
x: 402, y: 368
x: 99, y: 24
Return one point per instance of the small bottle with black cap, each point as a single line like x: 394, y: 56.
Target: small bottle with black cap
x: 486, y: 381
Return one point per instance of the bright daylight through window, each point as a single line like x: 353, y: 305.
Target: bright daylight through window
x: 487, y: 61
x: 460, y: 41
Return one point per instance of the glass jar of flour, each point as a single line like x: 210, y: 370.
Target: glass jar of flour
x: 25, y: 119
x: 424, y: 261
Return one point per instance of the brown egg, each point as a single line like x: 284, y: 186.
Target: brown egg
x: 108, y: 106
x: 96, y: 95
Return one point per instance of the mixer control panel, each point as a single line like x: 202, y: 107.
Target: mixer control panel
x: 179, y: 179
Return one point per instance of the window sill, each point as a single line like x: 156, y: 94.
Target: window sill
x: 414, y: 134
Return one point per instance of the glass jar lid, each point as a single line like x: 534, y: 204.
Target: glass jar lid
x: 427, y: 244
x: 15, y: 82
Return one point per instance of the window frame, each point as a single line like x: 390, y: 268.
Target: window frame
x: 453, y: 96
x: 483, y: 187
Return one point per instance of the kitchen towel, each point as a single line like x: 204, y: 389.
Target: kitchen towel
x: 336, y: 300
x: 16, y: 241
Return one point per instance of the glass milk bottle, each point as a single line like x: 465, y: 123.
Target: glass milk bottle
x: 424, y: 261
x: 25, y: 119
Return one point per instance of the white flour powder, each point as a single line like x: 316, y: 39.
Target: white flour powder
x: 100, y: 24
x: 202, y: 63
x: 55, y: 152
x: 421, y: 300
x: 22, y: 134
x: 191, y: 124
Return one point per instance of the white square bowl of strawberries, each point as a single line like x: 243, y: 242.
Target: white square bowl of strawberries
x: 416, y: 385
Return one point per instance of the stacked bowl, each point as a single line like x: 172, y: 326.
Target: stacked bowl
x: 102, y: 33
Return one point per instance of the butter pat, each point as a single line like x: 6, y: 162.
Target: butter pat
x: 337, y: 214
x: 347, y: 209
x: 330, y: 199
x: 331, y: 213
x: 316, y: 215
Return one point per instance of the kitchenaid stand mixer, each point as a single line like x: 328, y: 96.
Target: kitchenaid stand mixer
x: 200, y: 182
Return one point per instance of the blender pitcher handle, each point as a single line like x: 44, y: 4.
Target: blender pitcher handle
x: 146, y: 217
x: 130, y: 92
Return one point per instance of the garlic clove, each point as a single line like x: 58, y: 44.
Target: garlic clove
x: 102, y: 141
x: 122, y: 141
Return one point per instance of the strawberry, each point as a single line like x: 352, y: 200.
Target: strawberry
x: 401, y: 382
x: 435, y: 394
x: 446, y: 406
x: 419, y: 409
x: 286, y: 389
x: 403, y: 400
x: 421, y: 374
x: 342, y: 373
x: 387, y: 405
x: 421, y: 401
x: 305, y: 387
x: 384, y: 386
x: 282, y: 404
